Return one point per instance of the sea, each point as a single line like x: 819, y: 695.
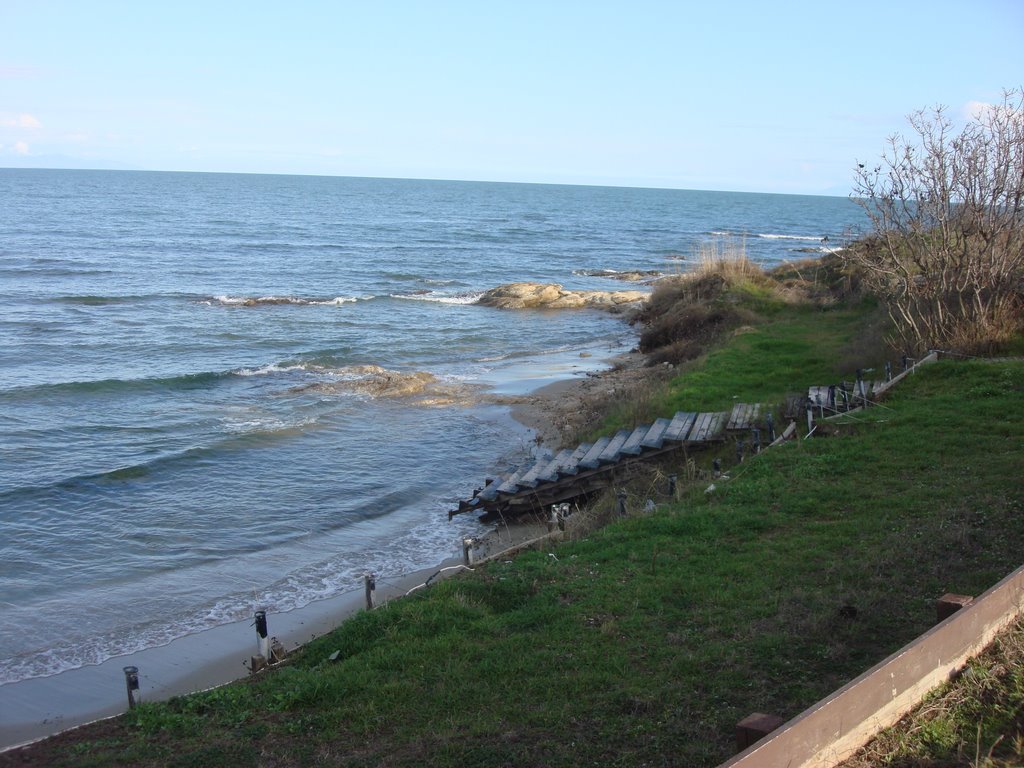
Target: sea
x: 224, y: 392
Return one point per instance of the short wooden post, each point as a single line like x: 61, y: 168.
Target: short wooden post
x: 844, y: 389
x: 906, y: 363
x: 949, y: 604
x: 131, y: 682
x: 622, y: 503
x: 888, y: 371
x: 756, y: 440
x: 810, y: 420
x: 832, y: 397
x: 262, y: 641
x: 672, y: 486
x: 716, y: 468
x: 740, y: 445
x: 755, y: 727
x: 467, y: 552
x: 370, y: 583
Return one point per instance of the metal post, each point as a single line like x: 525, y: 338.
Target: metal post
x: 131, y: 681
x: 262, y: 641
x: 371, y: 584
x: 622, y: 503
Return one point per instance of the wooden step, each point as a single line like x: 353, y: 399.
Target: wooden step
x: 551, y: 471
x: 706, y: 427
x: 743, y: 416
x: 572, y: 466
x: 530, y: 479
x: 613, y: 450
x: 633, y: 444
x: 681, y: 425
x: 511, y: 483
x: 590, y: 460
x: 655, y: 436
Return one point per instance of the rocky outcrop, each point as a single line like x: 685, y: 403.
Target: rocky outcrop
x: 551, y: 296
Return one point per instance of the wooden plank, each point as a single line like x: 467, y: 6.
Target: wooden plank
x: 573, y: 465
x: 699, y: 424
x: 613, y: 450
x: 589, y: 461
x: 831, y: 730
x: 743, y: 416
x: 511, y: 483
x: 490, y: 492
x: 633, y: 442
x: 707, y: 426
x: 738, y: 417
x: 550, y: 472
x: 681, y: 424
x: 656, y: 434
x: 532, y: 475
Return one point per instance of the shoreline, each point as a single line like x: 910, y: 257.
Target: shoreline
x: 549, y: 403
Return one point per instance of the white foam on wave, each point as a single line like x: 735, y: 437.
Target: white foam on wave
x: 268, y: 370
x: 258, y: 301
x: 466, y: 298
x: 805, y: 238
x: 426, y: 540
x: 767, y: 236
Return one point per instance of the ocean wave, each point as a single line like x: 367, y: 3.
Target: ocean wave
x: 183, y: 381
x: 766, y: 236
x: 269, y: 370
x: 269, y: 301
x: 464, y: 298
x: 420, y: 546
x: 627, y: 275
x: 98, y: 301
x: 805, y: 238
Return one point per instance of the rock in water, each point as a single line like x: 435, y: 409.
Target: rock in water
x: 553, y: 296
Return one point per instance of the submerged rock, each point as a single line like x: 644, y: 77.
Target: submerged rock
x: 553, y: 296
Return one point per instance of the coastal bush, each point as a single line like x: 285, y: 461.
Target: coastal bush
x: 947, y: 208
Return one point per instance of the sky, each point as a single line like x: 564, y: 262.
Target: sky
x: 744, y: 96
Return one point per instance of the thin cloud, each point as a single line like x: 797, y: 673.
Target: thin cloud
x: 21, y: 148
x: 974, y: 110
x: 24, y: 120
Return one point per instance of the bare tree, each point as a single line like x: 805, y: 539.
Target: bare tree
x: 948, y: 213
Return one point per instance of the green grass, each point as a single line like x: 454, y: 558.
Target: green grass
x: 646, y: 642
x: 761, y: 363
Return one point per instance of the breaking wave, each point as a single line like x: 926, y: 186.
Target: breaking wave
x: 270, y: 301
